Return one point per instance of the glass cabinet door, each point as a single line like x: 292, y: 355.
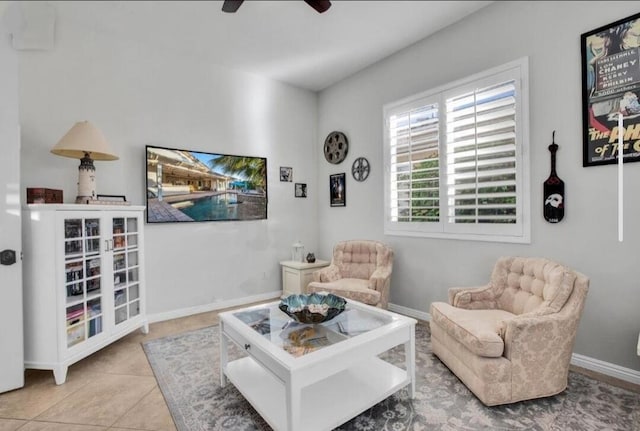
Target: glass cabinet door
x: 126, y: 278
x: 83, y: 278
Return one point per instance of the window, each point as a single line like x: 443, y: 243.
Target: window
x: 456, y: 159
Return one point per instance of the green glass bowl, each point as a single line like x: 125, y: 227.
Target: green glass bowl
x: 297, y: 307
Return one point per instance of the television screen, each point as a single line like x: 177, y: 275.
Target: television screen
x: 189, y: 186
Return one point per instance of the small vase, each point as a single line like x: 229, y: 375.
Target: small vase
x: 311, y: 258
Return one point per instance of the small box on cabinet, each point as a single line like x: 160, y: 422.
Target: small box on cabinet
x: 44, y: 196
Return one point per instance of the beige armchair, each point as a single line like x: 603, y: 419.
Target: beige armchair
x: 512, y: 339
x: 359, y: 270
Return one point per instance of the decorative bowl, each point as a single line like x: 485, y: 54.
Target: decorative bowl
x: 313, y: 308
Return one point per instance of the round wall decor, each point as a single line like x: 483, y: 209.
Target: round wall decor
x: 360, y: 169
x: 336, y: 147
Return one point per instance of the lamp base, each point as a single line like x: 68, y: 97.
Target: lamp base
x: 86, y: 180
x: 85, y: 200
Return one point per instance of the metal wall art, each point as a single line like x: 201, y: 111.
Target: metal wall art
x: 360, y: 169
x: 336, y: 146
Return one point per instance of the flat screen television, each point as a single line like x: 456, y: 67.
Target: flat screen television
x: 194, y: 186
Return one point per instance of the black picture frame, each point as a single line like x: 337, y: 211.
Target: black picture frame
x: 300, y: 190
x: 611, y: 84
x: 338, y: 190
x: 286, y: 174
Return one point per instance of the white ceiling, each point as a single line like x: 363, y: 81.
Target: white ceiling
x: 282, y: 40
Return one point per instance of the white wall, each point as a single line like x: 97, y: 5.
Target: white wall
x: 549, y: 34
x: 139, y: 94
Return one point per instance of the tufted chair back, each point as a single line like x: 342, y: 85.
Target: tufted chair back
x: 359, y: 270
x: 526, y: 285
x: 521, y: 285
x: 360, y: 258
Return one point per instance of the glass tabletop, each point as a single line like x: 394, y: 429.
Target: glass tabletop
x: 299, y: 339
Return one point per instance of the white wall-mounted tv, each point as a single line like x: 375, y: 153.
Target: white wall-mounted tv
x: 196, y: 186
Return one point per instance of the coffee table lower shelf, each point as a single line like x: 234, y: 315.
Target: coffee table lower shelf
x: 325, y: 404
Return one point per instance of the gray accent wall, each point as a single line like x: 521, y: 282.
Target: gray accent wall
x: 548, y: 33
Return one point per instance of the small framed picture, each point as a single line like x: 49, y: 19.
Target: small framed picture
x: 338, y: 190
x: 111, y: 198
x: 286, y: 174
x: 301, y: 190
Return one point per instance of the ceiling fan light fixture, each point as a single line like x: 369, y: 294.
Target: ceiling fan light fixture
x: 231, y: 6
x: 319, y: 5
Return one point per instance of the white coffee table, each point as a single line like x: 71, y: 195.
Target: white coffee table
x: 315, y: 377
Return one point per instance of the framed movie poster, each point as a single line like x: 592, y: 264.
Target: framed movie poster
x: 610, y: 87
x: 338, y: 190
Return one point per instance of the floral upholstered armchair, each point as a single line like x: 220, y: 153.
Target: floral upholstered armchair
x: 512, y: 339
x: 359, y: 270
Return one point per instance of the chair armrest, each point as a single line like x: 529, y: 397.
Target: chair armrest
x: 379, y: 278
x: 327, y: 274
x: 473, y: 298
x: 531, y: 343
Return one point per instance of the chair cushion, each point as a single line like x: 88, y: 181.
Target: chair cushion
x: 478, y: 330
x: 352, y: 288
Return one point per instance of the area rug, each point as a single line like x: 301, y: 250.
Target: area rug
x: 187, y: 369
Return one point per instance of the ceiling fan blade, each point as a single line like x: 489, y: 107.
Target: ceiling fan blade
x: 319, y: 5
x: 231, y: 6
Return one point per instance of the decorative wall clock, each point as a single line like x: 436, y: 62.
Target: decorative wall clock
x: 336, y: 147
x: 360, y: 169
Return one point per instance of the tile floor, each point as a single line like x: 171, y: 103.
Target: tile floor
x: 113, y: 389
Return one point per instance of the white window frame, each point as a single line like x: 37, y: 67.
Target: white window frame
x: 519, y: 232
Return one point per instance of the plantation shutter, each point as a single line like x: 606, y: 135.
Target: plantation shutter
x: 456, y: 159
x: 481, y: 155
x: 414, y: 165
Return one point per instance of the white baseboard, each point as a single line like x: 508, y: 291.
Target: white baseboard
x: 416, y: 314
x: 606, y: 368
x: 189, y: 311
x: 602, y: 367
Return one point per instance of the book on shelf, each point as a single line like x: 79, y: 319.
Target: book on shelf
x: 95, y: 326
x: 75, y: 335
x: 75, y: 313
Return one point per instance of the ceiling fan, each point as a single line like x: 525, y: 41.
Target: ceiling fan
x: 319, y: 5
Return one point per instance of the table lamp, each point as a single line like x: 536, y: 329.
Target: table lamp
x: 85, y: 142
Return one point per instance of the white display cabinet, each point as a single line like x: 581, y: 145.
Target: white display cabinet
x: 83, y: 278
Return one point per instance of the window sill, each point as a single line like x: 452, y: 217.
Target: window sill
x: 514, y: 239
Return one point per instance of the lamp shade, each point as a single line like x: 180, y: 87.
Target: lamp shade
x: 83, y: 138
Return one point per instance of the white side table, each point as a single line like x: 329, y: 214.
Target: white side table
x: 296, y: 275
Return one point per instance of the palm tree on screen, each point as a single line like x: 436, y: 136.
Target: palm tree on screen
x: 253, y: 169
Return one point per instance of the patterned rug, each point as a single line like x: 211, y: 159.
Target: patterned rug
x: 187, y: 369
